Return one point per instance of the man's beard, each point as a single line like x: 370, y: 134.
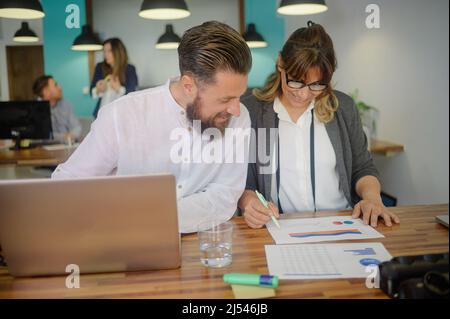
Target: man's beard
x: 193, y: 112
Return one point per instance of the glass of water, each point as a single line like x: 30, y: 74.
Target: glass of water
x: 215, y: 243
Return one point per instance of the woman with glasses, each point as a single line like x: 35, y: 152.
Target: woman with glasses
x: 318, y: 157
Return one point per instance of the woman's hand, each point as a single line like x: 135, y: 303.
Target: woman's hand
x: 255, y: 214
x: 101, y: 86
x: 115, y: 83
x: 371, y: 206
x: 371, y: 210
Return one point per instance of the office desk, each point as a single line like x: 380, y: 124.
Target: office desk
x: 35, y: 157
x: 418, y: 233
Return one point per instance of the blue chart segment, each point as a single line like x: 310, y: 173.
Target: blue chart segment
x: 369, y: 262
x: 362, y: 252
x: 326, y: 233
x: 347, y: 222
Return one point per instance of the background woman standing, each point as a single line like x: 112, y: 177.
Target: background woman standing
x: 113, y: 77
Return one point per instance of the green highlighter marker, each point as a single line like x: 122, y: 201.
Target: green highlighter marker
x: 266, y: 205
x: 267, y: 281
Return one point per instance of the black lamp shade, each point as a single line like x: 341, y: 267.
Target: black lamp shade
x: 87, y: 41
x: 164, y: 9
x: 25, y: 34
x: 169, y: 40
x: 21, y: 9
x: 253, y: 38
x: 301, y: 7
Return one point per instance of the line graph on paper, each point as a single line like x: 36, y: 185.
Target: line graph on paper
x: 320, y: 229
x: 328, y: 233
x: 311, y: 260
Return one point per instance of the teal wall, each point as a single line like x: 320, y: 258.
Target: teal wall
x: 263, y: 13
x: 69, y: 68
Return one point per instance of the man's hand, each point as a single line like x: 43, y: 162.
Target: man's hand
x: 255, y: 214
x: 371, y: 210
x: 69, y: 138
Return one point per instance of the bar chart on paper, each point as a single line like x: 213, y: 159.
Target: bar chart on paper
x: 324, y: 261
x: 310, y: 230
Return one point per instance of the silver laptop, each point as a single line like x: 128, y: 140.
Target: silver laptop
x: 443, y: 219
x: 105, y: 224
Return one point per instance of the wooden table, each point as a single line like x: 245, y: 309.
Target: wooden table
x: 35, y: 157
x: 418, y: 233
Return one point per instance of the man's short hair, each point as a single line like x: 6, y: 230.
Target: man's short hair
x: 40, y: 84
x: 212, y: 47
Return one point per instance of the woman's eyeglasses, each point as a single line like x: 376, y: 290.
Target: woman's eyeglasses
x: 297, y: 85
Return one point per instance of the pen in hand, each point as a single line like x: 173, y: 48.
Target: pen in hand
x: 266, y: 205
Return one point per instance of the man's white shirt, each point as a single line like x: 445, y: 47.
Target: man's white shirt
x: 141, y: 133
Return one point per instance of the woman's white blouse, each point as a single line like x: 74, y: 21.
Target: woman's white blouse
x: 295, y: 174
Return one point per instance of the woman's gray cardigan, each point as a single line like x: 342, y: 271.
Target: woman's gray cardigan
x: 353, y: 160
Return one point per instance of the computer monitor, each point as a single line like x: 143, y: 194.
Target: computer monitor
x: 25, y: 120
